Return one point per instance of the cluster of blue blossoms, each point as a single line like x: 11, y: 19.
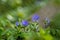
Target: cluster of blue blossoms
x: 35, y: 18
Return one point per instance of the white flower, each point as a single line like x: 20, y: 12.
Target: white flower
x: 10, y: 17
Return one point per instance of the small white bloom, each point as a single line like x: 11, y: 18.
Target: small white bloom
x: 10, y: 17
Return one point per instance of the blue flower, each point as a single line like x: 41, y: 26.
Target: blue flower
x: 35, y: 17
x: 47, y: 20
x: 25, y: 23
x: 17, y: 23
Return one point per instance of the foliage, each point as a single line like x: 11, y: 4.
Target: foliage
x: 15, y: 23
x: 55, y: 3
x: 55, y: 27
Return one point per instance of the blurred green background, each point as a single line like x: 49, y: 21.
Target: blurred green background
x: 12, y: 11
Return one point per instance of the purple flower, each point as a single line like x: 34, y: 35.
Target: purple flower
x: 25, y: 23
x: 35, y: 17
x: 17, y: 23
